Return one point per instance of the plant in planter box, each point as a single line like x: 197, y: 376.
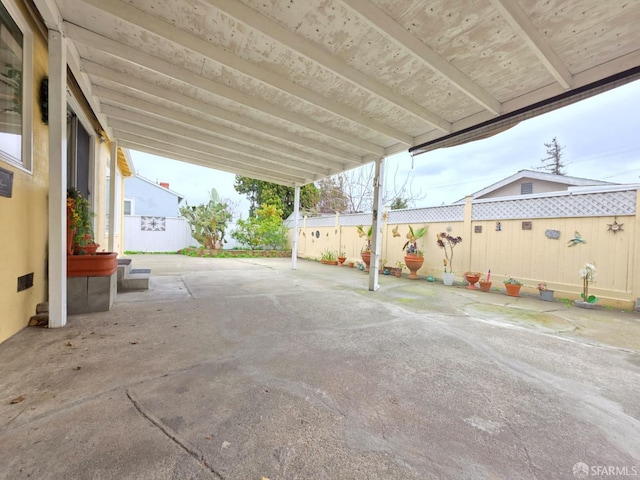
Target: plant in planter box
x: 366, y: 249
x: 329, y: 257
x: 414, y: 258
x: 546, y: 293
x: 447, y: 242
x: 472, y: 278
x: 79, y: 224
x: 485, y: 282
x: 399, y: 267
x: 588, y: 275
x: 513, y: 287
x: 342, y: 257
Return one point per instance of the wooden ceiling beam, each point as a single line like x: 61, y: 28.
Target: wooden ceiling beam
x: 396, y: 32
x: 170, y: 70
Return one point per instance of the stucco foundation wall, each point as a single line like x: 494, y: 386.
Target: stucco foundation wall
x: 506, y: 245
x: 23, y: 236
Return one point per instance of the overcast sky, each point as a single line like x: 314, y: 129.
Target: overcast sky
x: 601, y: 136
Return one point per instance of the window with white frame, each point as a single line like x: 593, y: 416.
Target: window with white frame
x: 16, y: 93
x: 129, y: 206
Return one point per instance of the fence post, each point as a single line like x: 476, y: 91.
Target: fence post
x: 467, y: 235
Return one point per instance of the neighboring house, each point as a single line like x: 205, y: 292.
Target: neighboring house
x: 147, y: 198
x: 527, y: 182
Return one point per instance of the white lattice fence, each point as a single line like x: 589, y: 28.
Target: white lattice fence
x: 558, y: 206
x: 446, y: 213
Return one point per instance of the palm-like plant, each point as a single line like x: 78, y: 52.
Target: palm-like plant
x: 412, y: 240
x: 365, y: 233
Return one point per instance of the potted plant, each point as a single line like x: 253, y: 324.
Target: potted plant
x: 485, y: 283
x: 342, y: 257
x: 399, y: 266
x: 329, y: 257
x: 365, y: 253
x: 383, y: 267
x: 513, y: 287
x: 79, y: 225
x: 447, y: 242
x: 472, y: 278
x: 546, y: 293
x: 80, y: 263
x: 414, y: 258
x: 588, y: 275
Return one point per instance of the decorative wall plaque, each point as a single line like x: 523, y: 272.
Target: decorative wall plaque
x: 552, y: 234
x: 153, y: 224
x: 477, y: 229
x: 527, y: 225
x: 6, y: 183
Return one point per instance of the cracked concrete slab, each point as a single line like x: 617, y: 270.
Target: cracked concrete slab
x: 253, y: 370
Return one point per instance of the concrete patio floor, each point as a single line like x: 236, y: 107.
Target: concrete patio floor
x: 244, y: 369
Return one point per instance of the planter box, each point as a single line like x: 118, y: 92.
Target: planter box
x: 101, y: 264
x: 91, y: 294
x: 547, y: 295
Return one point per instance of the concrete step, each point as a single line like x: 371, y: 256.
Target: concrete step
x: 132, y: 278
x: 135, y: 281
x: 124, y: 266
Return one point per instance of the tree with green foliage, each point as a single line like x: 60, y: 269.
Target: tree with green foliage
x: 264, y: 230
x: 553, y: 163
x: 208, y: 222
x: 399, y: 203
x: 260, y: 192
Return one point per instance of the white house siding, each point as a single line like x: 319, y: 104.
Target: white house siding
x: 151, y: 199
x: 162, y: 234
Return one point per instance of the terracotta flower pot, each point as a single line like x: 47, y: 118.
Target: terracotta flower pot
x: 366, y: 258
x: 413, y: 263
x: 512, y: 289
x: 485, y: 286
x: 341, y: 260
x: 472, y: 279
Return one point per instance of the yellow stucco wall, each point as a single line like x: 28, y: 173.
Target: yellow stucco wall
x: 24, y: 216
x: 23, y: 236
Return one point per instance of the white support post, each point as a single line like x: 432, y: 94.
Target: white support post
x: 113, y: 165
x: 57, y: 180
x: 296, y: 216
x: 376, y: 225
